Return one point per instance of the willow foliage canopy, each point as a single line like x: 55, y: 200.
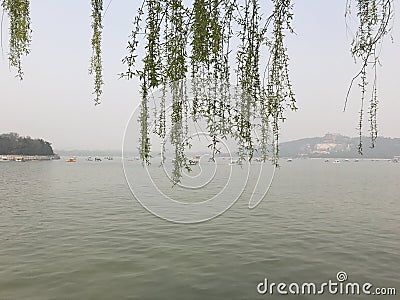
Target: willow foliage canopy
x: 211, y: 41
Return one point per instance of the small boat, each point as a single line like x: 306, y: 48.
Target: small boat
x: 70, y: 160
x: 290, y: 160
x: 238, y: 162
x: 19, y: 159
x: 336, y: 161
x: 89, y: 158
x: 108, y: 158
x: 97, y: 159
x: 4, y: 158
x: 326, y: 160
x: 193, y: 161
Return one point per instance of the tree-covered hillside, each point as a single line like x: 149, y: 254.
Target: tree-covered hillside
x: 339, y: 146
x: 13, y: 144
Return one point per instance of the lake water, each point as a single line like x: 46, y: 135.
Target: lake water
x: 74, y: 231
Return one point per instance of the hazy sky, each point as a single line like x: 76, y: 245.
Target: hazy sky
x: 54, y: 101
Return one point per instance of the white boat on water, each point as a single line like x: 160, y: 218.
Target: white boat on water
x: 336, y: 161
x: 193, y: 161
x: 236, y: 162
x: 4, y: 158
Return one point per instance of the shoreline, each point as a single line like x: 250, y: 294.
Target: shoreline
x: 18, y: 157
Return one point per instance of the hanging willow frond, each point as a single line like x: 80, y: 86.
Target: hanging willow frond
x: 96, y: 67
x: 374, y: 18
x: 279, y: 88
x: 207, y: 31
x: 176, y: 69
x: 20, y: 32
x: 197, y: 41
x: 130, y: 59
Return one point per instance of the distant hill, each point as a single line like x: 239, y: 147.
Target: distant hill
x: 339, y: 146
x: 93, y: 153
x: 13, y: 144
x: 330, y: 145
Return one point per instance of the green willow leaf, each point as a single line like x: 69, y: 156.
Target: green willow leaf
x: 20, y: 32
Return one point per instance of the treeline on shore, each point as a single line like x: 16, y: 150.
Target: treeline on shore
x: 14, y: 144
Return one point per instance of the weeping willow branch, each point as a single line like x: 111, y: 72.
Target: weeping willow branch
x: 248, y: 76
x: 197, y: 40
x: 279, y: 91
x: 130, y: 59
x: 96, y: 68
x: 175, y: 35
x: 176, y: 69
x: 20, y: 32
x: 374, y: 18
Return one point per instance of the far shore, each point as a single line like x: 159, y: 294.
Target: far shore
x: 17, y: 157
